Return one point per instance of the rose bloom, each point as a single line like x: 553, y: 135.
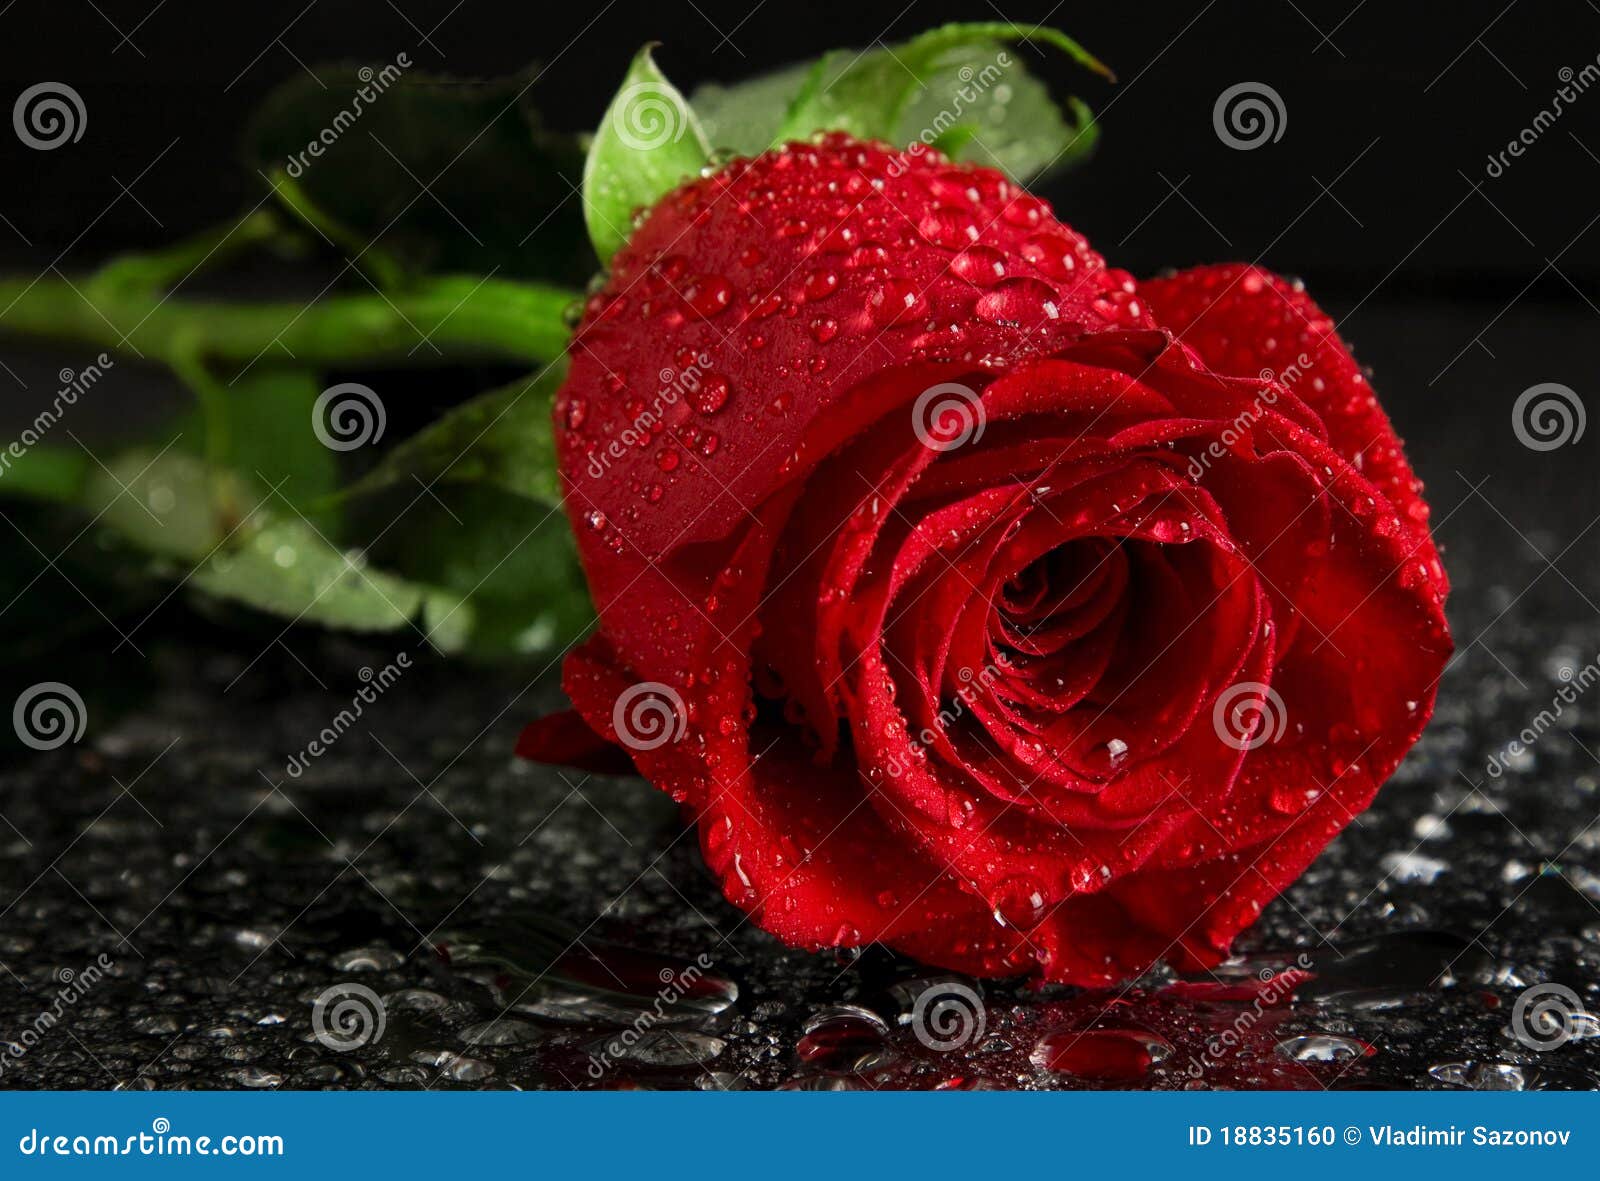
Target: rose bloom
x: 973, y: 599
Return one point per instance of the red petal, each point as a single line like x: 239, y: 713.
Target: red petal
x: 566, y: 739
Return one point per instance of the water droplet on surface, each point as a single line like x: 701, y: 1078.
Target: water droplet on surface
x: 982, y: 266
x: 1105, y: 1055
x: 507, y: 1031
x: 1480, y: 1076
x: 840, y: 1033
x: 662, y: 1047
x: 1412, y: 867
x: 820, y: 285
x: 1019, y: 904
x: 462, y: 1069
x: 1017, y: 302
x: 1321, y: 1047
x: 368, y: 959
x: 254, y: 1077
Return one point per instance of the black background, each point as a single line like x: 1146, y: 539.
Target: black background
x: 1395, y: 107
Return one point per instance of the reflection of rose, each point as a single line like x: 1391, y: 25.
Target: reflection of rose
x: 959, y: 700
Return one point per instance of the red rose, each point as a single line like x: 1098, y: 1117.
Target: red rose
x: 974, y: 600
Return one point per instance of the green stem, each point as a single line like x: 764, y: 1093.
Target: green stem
x: 43, y: 473
x: 438, y: 321
x: 161, y: 269
x: 385, y: 271
x: 213, y: 399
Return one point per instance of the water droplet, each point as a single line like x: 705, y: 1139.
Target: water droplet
x: 824, y: 329
x: 895, y: 302
x: 982, y: 266
x: 1017, y: 301
x: 1019, y: 904
x: 506, y: 1031
x: 1412, y: 867
x: 1108, y: 1055
x: 840, y: 1034
x: 1480, y: 1076
x: 820, y: 285
x: 1322, y: 1047
x: 253, y: 1076
x: 662, y: 1047
x: 948, y: 227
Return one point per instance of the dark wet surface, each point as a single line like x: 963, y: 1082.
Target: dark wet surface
x: 566, y: 906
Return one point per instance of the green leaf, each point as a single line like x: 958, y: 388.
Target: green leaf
x: 270, y: 437
x: 489, y: 528
x: 52, y: 474
x: 481, y: 563
x: 498, y: 183
x: 289, y: 569
x: 169, y: 504
x: 508, y: 559
x: 649, y: 142
x: 957, y: 87
x: 744, y: 118
x: 226, y: 535
x: 501, y: 439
